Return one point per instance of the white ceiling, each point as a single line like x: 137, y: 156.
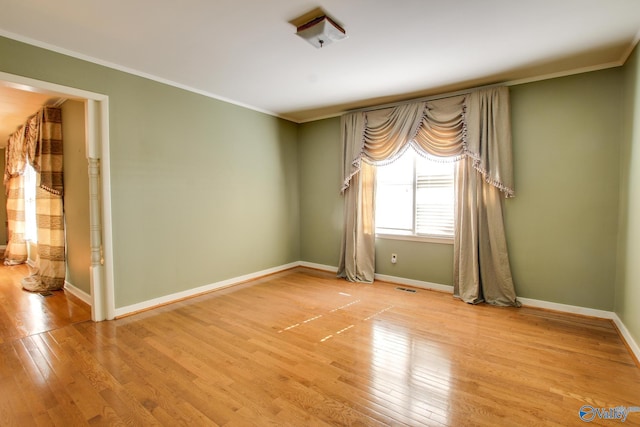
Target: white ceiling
x: 246, y: 51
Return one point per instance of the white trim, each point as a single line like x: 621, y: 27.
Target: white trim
x: 77, y: 292
x: 567, y: 73
x: 41, y: 86
x: 565, y: 308
x: 385, y: 278
x: 319, y: 118
x: 323, y: 267
x: 602, y: 314
x: 416, y: 238
x: 415, y: 283
x: 389, y: 279
x: 632, y: 45
x: 626, y: 335
x: 108, y: 290
x: 167, y: 299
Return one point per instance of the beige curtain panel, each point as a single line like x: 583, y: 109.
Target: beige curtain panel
x: 49, y: 270
x: 16, y: 251
x: 15, y: 162
x: 473, y: 129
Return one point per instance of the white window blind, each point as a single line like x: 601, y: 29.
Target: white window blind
x: 434, y: 198
x: 415, y: 197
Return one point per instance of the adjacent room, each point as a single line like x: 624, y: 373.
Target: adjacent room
x: 345, y: 213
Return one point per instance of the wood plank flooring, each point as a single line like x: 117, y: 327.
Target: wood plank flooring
x: 302, y: 348
x: 25, y: 313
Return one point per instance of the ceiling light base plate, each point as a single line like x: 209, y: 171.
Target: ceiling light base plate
x: 321, y: 31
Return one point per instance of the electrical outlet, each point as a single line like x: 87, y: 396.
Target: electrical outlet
x: 394, y: 258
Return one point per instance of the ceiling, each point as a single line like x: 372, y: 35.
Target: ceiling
x: 246, y: 51
x: 16, y: 106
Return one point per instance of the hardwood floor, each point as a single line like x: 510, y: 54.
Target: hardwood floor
x: 25, y: 313
x: 301, y: 348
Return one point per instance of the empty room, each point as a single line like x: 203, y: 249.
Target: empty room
x: 336, y: 213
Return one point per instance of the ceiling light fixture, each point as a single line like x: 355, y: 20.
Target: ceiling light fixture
x: 321, y: 31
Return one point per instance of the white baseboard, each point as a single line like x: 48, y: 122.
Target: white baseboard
x: 329, y: 268
x: 385, y: 278
x: 565, y: 308
x: 601, y: 314
x: 415, y: 283
x: 77, y: 292
x: 633, y: 345
x: 167, y: 299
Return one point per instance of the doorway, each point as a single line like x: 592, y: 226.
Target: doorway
x: 96, y: 113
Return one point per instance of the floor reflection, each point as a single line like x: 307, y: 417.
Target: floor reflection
x: 409, y: 372
x: 35, y: 320
x: 27, y: 313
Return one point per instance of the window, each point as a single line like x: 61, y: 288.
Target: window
x: 415, y: 197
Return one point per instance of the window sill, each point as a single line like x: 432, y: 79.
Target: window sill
x: 424, y: 239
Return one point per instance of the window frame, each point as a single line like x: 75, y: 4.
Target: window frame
x: 411, y: 235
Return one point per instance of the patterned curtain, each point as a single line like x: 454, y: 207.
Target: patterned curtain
x: 16, y: 252
x: 49, y: 271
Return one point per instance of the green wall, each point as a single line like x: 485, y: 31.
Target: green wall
x: 202, y: 190
x: 428, y: 262
x: 562, y: 225
x: 321, y: 215
x: 76, y: 196
x: 627, y: 301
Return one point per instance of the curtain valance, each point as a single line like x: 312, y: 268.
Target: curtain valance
x: 39, y: 140
x: 15, y: 156
x: 471, y: 125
